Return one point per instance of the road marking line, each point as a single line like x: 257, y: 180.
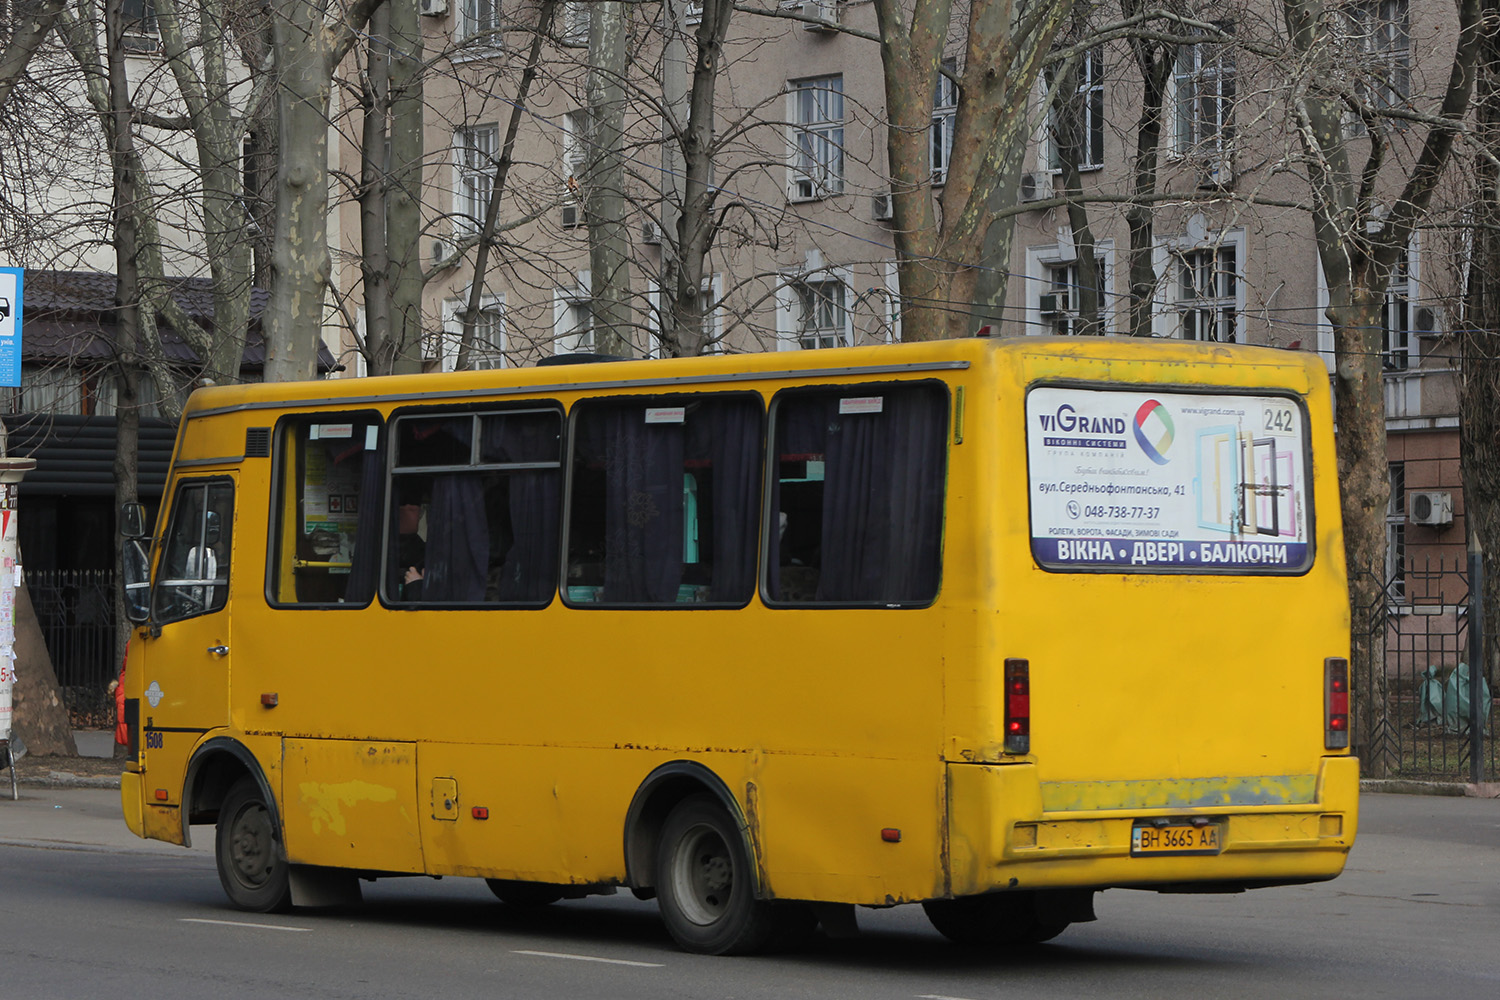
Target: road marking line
x: 590, y: 958
x: 937, y: 996
x: 242, y: 923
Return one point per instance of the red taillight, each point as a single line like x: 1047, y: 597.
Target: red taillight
x: 1017, y: 706
x: 1336, y: 703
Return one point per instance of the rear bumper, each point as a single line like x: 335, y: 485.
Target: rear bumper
x: 1003, y: 836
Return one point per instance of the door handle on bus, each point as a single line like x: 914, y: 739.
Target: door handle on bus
x: 219, y: 650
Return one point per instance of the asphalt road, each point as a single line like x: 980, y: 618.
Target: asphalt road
x: 89, y: 911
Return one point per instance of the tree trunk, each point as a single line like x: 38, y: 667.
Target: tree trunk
x: 374, y: 176
x: 604, y: 205
x: 402, y: 201
x: 1362, y: 469
x: 300, y: 262
x: 39, y: 717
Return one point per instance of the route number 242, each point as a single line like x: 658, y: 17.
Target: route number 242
x: 1279, y: 418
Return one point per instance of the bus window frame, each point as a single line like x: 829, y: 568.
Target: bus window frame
x: 1155, y: 388
x: 665, y: 400
x: 476, y: 411
x: 277, y: 508
x: 770, y: 535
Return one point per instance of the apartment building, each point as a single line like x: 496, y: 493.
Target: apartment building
x: 805, y: 255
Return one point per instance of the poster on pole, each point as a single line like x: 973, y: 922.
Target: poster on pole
x: 8, y: 554
x: 12, y: 288
x: 1135, y: 481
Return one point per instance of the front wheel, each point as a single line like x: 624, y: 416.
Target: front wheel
x: 252, y: 865
x: 705, y: 883
x: 997, y: 920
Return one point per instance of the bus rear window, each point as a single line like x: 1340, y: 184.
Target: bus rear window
x: 858, y: 495
x: 1158, y: 481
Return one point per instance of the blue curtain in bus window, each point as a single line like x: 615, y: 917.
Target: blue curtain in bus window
x: 458, y: 540
x: 529, y: 570
x: 725, y: 433
x: 364, y: 568
x: 643, y: 508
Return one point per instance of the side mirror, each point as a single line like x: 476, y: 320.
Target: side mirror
x: 136, y: 566
x: 133, y: 520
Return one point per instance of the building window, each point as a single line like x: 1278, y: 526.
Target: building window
x: 1207, y: 293
x: 573, y: 317
x: 488, y: 347
x: 1075, y: 120
x: 818, y: 114
x: 476, y: 149
x: 1204, y: 82
x: 1395, y: 535
x: 710, y: 292
x: 575, y: 147
x: 1395, y: 335
x: 944, y: 115
x: 1380, y: 34
x: 480, y: 18
x: 1059, y: 302
x: 139, y: 32
x: 575, y: 23
x: 822, y: 319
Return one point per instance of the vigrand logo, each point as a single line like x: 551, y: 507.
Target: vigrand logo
x: 1067, y: 428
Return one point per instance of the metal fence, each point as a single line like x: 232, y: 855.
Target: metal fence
x: 1412, y: 697
x: 75, y: 609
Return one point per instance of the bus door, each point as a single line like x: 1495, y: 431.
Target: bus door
x: 186, y: 682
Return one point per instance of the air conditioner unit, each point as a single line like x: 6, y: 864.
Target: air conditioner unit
x: 1035, y: 185
x: 651, y: 233
x: 827, y: 10
x: 1430, y: 507
x: 1053, y: 304
x: 882, y: 209
x: 572, y: 217
x: 441, y: 251
x: 1428, y: 321
x: 1217, y: 176
x: 433, y: 8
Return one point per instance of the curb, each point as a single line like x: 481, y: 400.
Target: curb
x: 1455, y: 789
x: 64, y: 779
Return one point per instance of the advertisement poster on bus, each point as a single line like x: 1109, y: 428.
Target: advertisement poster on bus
x: 1133, y: 481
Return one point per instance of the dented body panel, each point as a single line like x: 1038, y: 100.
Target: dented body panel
x: 510, y: 743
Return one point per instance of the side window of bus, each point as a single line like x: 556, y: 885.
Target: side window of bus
x: 476, y: 501
x: 194, y: 574
x: 326, y: 543
x: 665, y: 500
x: 857, y: 495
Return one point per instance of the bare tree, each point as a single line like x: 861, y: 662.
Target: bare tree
x: 1359, y: 242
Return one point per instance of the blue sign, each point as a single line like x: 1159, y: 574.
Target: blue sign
x: 12, y: 283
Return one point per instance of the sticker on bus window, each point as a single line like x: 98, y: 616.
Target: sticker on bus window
x: 665, y: 414
x: 332, y: 431
x: 1140, y: 481
x: 862, y: 404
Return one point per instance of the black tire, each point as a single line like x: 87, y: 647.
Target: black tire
x: 514, y: 893
x: 705, y: 882
x: 997, y: 920
x: 252, y: 862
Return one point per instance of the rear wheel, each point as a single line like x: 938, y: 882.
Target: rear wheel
x: 515, y: 893
x: 997, y: 920
x: 705, y: 883
x: 252, y: 864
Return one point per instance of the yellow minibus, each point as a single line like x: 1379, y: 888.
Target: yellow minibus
x: 985, y: 625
